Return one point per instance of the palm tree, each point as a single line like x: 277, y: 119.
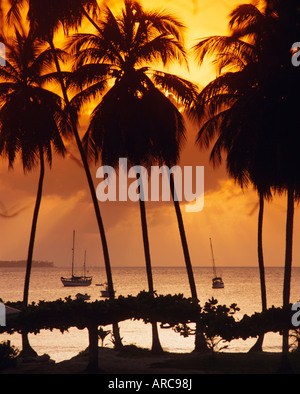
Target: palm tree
x: 222, y: 106
x: 249, y: 114
x: 40, y: 121
x: 278, y: 139
x: 134, y: 119
x: 68, y: 14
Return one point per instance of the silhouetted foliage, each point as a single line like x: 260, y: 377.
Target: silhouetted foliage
x: 8, y: 355
x: 169, y: 310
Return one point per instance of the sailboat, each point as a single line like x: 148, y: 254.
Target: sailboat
x: 76, y: 280
x: 217, y: 282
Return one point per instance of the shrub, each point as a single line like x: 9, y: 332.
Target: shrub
x: 8, y: 355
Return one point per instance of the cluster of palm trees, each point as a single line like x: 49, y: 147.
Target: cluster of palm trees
x: 243, y: 112
x: 133, y: 117
x: 248, y: 111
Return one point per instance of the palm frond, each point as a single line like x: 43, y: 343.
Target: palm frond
x: 162, y: 49
x: 225, y: 87
x: 245, y: 19
x: 93, y: 48
x: 89, y: 94
x: 210, y: 128
x: 14, y: 12
x: 184, y: 91
x: 41, y: 120
x: 45, y: 60
x: 164, y: 22
x: 89, y: 74
x: 225, y: 45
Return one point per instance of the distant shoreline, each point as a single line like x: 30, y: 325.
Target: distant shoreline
x: 22, y: 264
x: 49, y: 264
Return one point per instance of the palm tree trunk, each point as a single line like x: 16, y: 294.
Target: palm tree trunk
x: 93, y: 349
x: 200, y: 343
x: 257, y: 347
x: 26, y: 348
x: 260, y: 253
x: 118, y: 342
x: 156, y: 346
x: 183, y: 240
x: 287, y: 272
x: 289, y: 248
x: 146, y: 246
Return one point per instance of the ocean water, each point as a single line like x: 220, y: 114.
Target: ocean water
x: 242, y: 287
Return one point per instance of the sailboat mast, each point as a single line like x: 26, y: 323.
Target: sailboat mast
x: 73, y: 253
x: 84, y: 263
x: 213, y: 258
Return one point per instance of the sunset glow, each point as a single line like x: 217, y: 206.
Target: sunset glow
x: 66, y: 203
x: 150, y: 189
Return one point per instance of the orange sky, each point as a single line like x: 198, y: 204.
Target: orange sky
x: 229, y: 215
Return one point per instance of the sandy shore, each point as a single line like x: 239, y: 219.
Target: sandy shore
x: 110, y: 362
x: 141, y: 361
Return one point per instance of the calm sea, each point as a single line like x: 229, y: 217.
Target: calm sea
x: 242, y: 287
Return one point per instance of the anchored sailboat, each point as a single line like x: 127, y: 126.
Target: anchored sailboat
x: 76, y: 280
x: 217, y: 282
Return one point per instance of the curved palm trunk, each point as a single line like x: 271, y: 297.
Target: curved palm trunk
x: 257, y: 347
x: 156, y: 346
x: 116, y: 333
x: 285, y: 366
x: 200, y: 343
x: 26, y: 348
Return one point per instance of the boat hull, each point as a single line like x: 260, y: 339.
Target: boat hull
x: 217, y: 283
x: 76, y: 281
x: 83, y: 296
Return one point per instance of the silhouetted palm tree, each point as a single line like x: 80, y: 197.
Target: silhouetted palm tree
x: 46, y: 17
x: 250, y: 111
x: 275, y: 163
x: 222, y: 106
x: 134, y: 119
x: 32, y: 120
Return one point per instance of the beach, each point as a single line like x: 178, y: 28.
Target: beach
x: 137, y: 361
